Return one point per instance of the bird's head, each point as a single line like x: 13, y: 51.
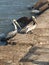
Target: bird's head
x: 34, y: 19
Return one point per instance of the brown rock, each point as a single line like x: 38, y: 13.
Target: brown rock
x: 40, y: 3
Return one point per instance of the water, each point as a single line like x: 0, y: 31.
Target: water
x: 13, y: 9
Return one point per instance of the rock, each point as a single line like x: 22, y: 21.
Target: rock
x: 40, y: 3
x: 40, y: 6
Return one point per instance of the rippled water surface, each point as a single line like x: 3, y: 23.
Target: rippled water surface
x: 10, y: 9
